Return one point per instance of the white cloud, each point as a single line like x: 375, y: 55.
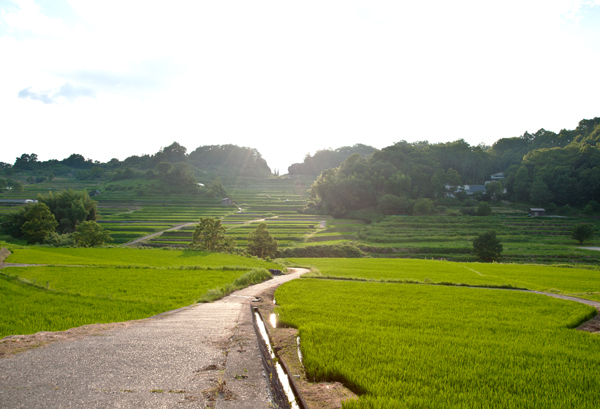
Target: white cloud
x: 289, y: 78
x: 66, y: 92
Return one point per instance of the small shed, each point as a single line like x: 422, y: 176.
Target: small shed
x: 226, y: 202
x: 537, y: 211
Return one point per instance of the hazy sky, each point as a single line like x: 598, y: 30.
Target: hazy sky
x: 114, y: 78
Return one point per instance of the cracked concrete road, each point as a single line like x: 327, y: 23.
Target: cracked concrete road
x: 177, y: 359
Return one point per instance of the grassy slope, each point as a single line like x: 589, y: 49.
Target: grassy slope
x: 416, y: 346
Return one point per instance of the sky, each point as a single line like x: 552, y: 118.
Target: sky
x: 114, y: 78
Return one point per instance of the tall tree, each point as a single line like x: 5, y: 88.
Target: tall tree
x: 582, y: 232
x: 521, y: 184
x: 261, y: 243
x: 487, y: 247
x: 39, y: 223
x: 539, y: 193
x: 210, y: 235
x: 217, y: 189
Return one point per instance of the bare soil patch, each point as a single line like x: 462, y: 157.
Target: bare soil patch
x: 592, y: 325
x: 320, y: 395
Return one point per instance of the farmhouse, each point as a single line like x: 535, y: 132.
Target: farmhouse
x: 537, y: 211
x: 226, y: 202
x: 470, y: 189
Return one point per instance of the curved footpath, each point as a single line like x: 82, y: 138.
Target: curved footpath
x: 197, y: 357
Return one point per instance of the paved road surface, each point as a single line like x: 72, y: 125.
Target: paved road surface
x: 172, y: 360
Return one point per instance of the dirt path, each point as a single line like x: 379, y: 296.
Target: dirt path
x: 199, y: 356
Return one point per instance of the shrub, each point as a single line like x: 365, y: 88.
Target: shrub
x: 487, y: 247
x: 441, y: 209
x: 91, y: 234
x: 469, y: 211
x: 565, y: 210
x: 368, y: 216
x: 59, y: 240
x: 484, y: 209
x: 423, y: 207
x: 254, y: 276
x: 582, y: 232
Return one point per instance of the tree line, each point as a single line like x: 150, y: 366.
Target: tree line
x: 229, y: 159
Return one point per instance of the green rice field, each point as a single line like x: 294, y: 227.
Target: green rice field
x: 570, y: 281
x: 131, y: 257
x: 80, y: 296
x: 101, y: 285
x: 415, y: 346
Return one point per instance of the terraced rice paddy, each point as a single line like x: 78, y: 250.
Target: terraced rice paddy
x: 525, y: 239
x: 337, y: 231
x: 129, y: 224
x: 416, y: 346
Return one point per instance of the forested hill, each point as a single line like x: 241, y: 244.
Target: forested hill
x: 229, y: 160
x: 328, y: 158
x: 542, y: 169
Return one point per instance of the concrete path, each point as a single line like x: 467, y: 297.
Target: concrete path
x: 197, y: 357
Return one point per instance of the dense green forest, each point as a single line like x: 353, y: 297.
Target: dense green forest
x: 543, y: 169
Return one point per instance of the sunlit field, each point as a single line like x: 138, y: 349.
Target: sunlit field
x: 88, y: 286
x: 415, y: 346
x: 572, y: 281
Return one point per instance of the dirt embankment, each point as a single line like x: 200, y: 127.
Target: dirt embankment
x: 4, y: 253
x: 320, y: 395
